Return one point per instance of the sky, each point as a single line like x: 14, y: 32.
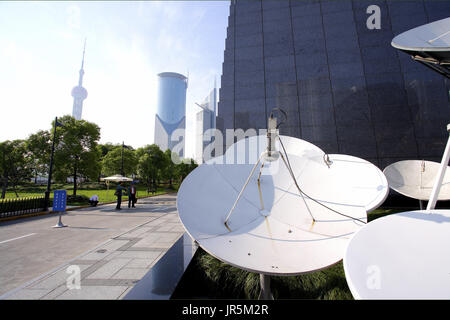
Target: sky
x: 128, y: 44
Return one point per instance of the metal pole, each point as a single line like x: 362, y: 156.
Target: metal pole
x: 59, y: 224
x: 121, y: 170
x: 420, y: 205
x: 240, y: 193
x: 264, y: 281
x: 49, y: 181
x: 440, y: 176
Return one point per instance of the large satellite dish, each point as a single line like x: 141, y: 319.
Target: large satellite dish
x: 401, y: 256
x: 416, y: 178
x: 428, y: 44
x: 283, y: 212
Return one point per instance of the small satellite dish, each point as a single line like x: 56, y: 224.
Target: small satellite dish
x: 259, y: 216
x: 416, y: 178
x: 348, y: 180
x: 428, y: 44
x: 401, y: 256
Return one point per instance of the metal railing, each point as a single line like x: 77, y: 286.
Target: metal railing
x: 20, y: 206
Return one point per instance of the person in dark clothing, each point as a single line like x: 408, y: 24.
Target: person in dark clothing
x: 118, y: 193
x: 131, y: 195
x: 93, y: 200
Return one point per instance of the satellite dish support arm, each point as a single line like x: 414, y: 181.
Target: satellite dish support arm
x: 440, y: 176
x: 240, y: 193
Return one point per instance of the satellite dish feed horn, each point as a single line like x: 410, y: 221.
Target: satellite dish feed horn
x: 271, y: 154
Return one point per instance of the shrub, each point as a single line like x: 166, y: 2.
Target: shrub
x: 78, y: 199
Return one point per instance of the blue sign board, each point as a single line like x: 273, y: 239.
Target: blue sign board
x: 59, y: 200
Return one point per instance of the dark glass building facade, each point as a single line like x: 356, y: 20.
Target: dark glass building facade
x: 343, y: 85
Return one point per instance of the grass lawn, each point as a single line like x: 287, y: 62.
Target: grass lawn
x: 86, y: 190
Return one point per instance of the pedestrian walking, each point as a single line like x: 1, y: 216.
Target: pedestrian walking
x: 131, y: 195
x: 118, y: 194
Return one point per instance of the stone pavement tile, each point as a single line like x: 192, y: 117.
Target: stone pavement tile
x: 155, y: 222
x: 107, y: 282
x: 114, y: 244
x: 152, y: 255
x: 56, y: 279
x: 130, y: 273
x: 138, y: 232
x: 140, y: 263
x: 170, y: 236
x: 113, y: 255
x: 143, y: 243
x: 165, y: 227
x: 109, y: 269
x: 173, y: 217
x: 94, y: 292
x: 93, y: 268
x: 173, y: 224
x: 160, y: 244
x: 28, y: 294
x: 110, y: 247
x: 178, y: 229
x: 147, y: 239
x: 55, y: 293
x: 94, y: 255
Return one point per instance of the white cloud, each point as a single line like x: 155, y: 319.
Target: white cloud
x: 73, y: 17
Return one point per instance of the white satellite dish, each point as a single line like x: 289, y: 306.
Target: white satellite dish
x: 428, y: 44
x: 348, y: 180
x: 416, y: 178
x: 401, y: 256
x: 257, y: 214
x: 434, y: 36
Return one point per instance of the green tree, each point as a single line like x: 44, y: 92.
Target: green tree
x: 169, y: 169
x: 105, y: 148
x: 14, y: 164
x: 151, y: 161
x: 112, y: 162
x: 76, y: 154
x: 184, y: 168
x: 39, y: 148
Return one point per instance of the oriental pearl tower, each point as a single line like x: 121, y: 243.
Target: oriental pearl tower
x: 79, y: 93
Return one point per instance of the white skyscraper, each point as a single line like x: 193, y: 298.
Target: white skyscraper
x: 205, y: 119
x: 79, y: 93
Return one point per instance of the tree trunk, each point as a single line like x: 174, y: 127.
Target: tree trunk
x: 4, y: 187
x: 75, y: 179
x: 15, y: 190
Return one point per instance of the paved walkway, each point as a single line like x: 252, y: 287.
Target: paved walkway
x: 108, y: 271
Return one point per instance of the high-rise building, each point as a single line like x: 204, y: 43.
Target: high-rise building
x: 79, y: 93
x: 342, y: 84
x: 171, y: 112
x: 205, y: 120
